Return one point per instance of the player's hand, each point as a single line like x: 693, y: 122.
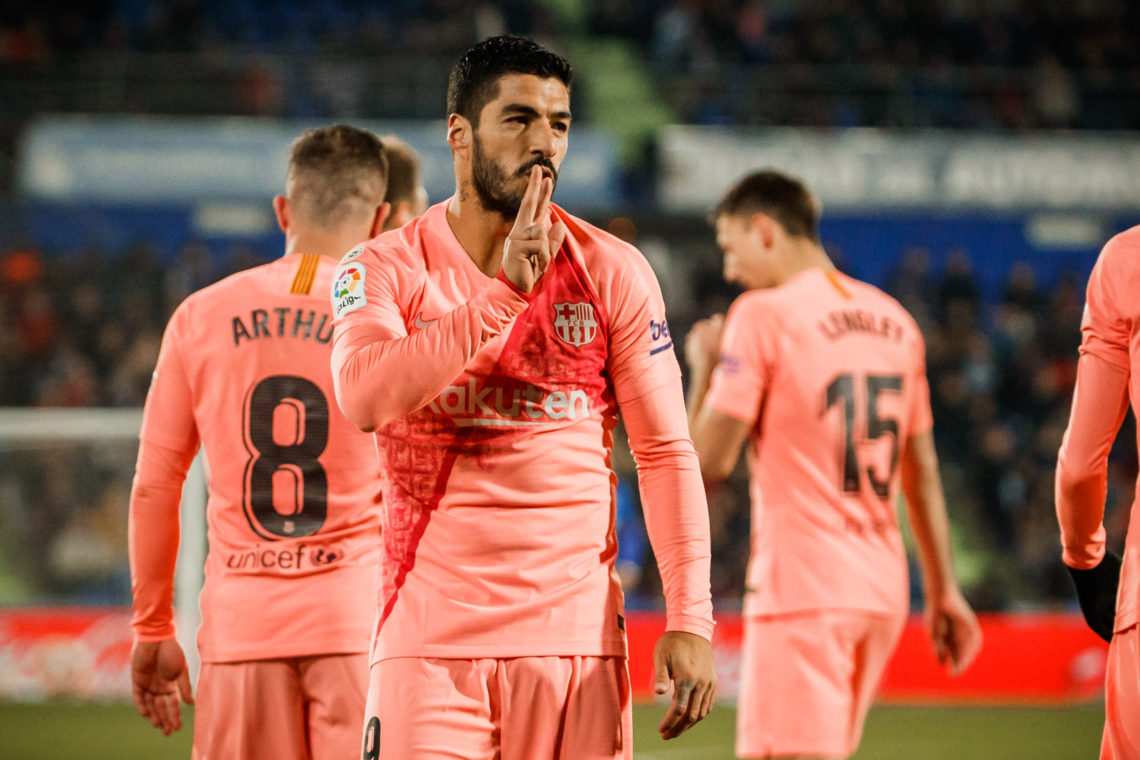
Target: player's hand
x: 702, y: 344
x: 159, y: 676
x: 687, y: 660
x: 530, y: 247
x: 1096, y: 591
x: 954, y: 631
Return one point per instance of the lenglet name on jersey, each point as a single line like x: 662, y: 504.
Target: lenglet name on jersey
x: 305, y: 324
x: 469, y: 404
x: 850, y: 321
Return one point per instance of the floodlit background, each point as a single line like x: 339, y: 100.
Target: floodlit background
x: 972, y: 157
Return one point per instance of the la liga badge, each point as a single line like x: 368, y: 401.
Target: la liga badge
x: 348, y: 290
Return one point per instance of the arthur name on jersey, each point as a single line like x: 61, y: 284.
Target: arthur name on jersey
x: 488, y: 405
x: 305, y: 324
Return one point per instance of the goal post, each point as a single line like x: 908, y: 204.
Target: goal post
x: 56, y: 465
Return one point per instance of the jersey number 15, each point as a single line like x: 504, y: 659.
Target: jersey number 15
x: 841, y: 390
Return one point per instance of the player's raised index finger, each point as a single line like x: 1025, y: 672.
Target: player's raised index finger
x: 546, y: 190
x: 528, y: 206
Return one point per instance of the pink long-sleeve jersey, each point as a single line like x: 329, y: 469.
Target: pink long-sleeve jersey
x: 830, y: 372
x: 1108, y: 375
x: 494, y: 414
x: 293, y: 517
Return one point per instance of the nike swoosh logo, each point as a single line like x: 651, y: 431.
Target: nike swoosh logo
x: 420, y: 323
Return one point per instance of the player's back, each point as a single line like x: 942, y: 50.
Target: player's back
x: 845, y: 387
x: 293, y: 514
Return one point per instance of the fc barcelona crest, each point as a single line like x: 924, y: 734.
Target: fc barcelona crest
x: 574, y: 323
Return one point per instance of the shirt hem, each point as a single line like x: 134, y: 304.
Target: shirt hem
x: 262, y: 654
x: 878, y: 609
x: 500, y: 652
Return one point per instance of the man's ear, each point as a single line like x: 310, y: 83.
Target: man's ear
x: 283, y: 213
x: 378, y: 219
x: 764, y: 227
x: 459, y: 132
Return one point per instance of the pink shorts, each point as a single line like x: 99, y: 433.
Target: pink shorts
x: 808, y: 679
x: 295, y: 708
x: 524, y: 708
x: 1122, y: 697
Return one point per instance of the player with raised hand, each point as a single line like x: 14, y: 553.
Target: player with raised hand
x: 825, y: 376
x: 293, y: 514
x: 1107, y: 587
x: 497, y: 338
x: 530, y: 246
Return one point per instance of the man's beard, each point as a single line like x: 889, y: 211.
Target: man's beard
x: 490, y: 182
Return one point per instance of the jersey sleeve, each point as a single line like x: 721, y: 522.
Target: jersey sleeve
x: 380, y: 372
x: 1100, y: 402
x: 647, y: 387
x: 641, y: 356
x: 152, y: 538
x: 748, y: 349
x: 673, y: 498
x: 168, y: 442
x: 1105, y: 328
x: 168, y: 415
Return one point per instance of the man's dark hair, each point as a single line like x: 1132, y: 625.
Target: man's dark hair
x: 330, y: 168
x: 403, y: 171
x: 784, y: 198
x: 474, y: 80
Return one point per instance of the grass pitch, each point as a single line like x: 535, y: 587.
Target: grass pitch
x: 59, y: 730
x: 911, y: 733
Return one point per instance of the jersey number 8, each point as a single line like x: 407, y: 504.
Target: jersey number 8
x: 285, y: 488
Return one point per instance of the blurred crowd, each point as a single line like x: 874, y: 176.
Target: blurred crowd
x: 982, y: 64
x: 1009, y: 64
x: 32, y: 32
x: 83, y: 328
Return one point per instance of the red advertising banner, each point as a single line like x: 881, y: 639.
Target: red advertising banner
x: 1027, y: 658
x: 78, y: 652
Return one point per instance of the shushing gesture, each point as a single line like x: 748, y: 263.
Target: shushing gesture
x: 530, y: 247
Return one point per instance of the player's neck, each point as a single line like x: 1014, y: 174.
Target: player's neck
x: 481, y: 233
x: 804, y: 256
x: 311, y: 241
